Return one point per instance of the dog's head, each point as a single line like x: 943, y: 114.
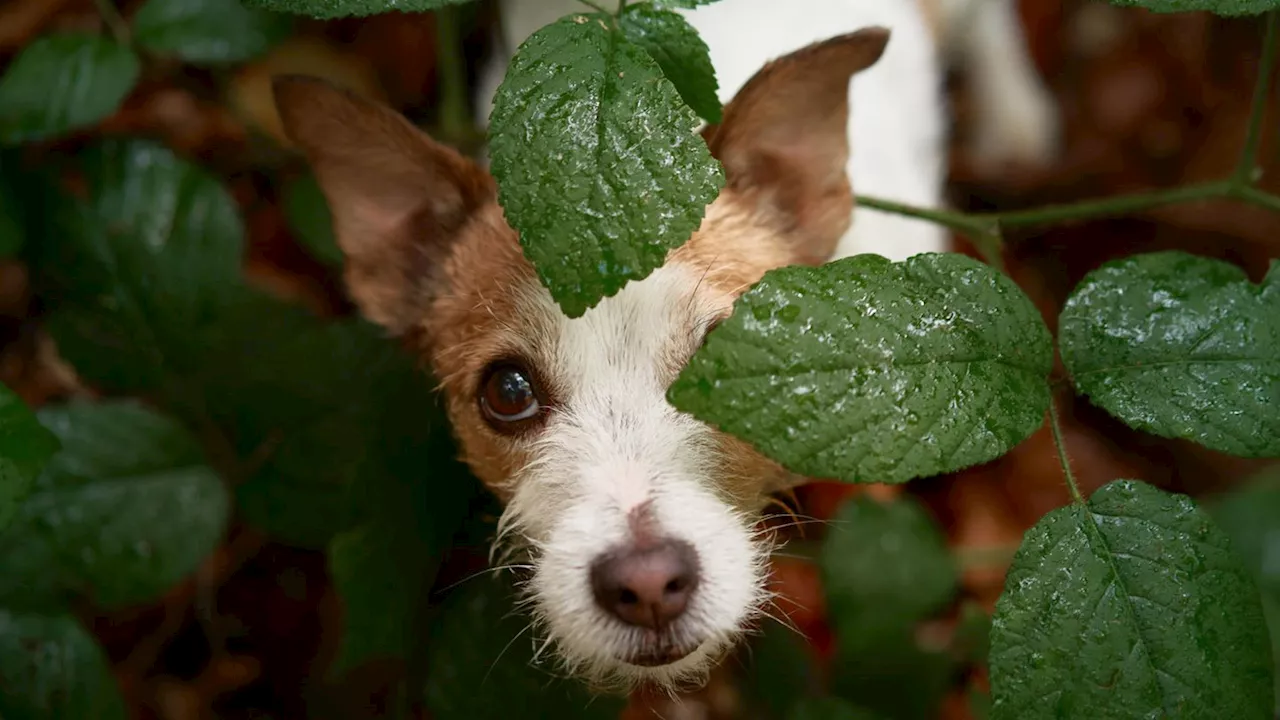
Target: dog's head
x: 638, y: 519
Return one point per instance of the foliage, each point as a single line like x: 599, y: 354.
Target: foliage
x: 222, y: 401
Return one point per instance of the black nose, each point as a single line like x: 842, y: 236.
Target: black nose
x: 647, y: 586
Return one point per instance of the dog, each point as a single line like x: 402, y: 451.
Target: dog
x: 640, y: 522
x: 899, y: 125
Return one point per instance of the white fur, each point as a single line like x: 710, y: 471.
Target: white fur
x: 898, y: 122
x: 614, y: 444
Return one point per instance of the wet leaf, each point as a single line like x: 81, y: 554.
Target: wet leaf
x: 64, y: 82
x: 1131, y: 606
x: 310, y: 220
x: 828, y: 708
x: 597, y: 161
x: 208, y: 31
x: 871, y: 371
x: 1220, y: 7
x: 884, y: 564
x: 327, y: 9
x: 480, y: 665
x: 679, y: 51
x: 126, y: 510
x: 25, y: 447
x: 52, y: 669
x: 1182, y: 347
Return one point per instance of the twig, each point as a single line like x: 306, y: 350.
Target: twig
x: 114, y: 21
x: 1247, y: 169
x: 1061, y: 446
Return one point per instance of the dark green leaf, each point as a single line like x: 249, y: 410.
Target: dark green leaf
x: 51, y: 669
x: 781, y: 670
x: 597, y: 161
x: 1132, y: 606
x: 828, y: 708
x: 1182, y: 347
x: 480, y: 665
x: 972, y: 642
x: 13, y: 231
x: 679, y: 51
x: 25, y: 447
x: 127, y: 510
x: 208, y: 31
x: 887, y: 672
x: 871, y: 371
x: 884, y: 564
x: 327, y: 9
x: 979, y: 704
x: 310, y: 220
x: 1220, y: 7
x: 64, y: 82
x: 1251, y: 518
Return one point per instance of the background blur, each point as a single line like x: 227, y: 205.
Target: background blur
x: 1146, y: 101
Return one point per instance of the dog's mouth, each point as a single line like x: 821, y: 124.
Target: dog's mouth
x: 660, y: 651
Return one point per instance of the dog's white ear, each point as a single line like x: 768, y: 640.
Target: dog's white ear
x: 784, y: 139
x: 398, y: 198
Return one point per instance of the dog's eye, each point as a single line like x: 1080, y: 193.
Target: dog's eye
x: 508, y: 395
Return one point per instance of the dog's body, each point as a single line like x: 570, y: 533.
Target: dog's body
x: 639, y: 520
x: 898, y: 124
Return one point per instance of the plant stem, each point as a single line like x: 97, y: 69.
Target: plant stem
x: 596, y: 6
x: 1062, y: 453
x: 455, y: 121
x: 1112, y: 206
x: 983, y: 233
x: 114, y: 21
x: 1247, y: 168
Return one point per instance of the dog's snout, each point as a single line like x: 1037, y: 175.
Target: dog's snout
x: 647, y: 586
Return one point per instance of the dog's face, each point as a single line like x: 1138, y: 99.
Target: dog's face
x: 638, y: 519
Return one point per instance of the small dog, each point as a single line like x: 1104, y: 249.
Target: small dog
x: 639, y: 520
x: 898, y: 124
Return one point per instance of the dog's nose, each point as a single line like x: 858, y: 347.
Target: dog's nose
x: 647, y: 586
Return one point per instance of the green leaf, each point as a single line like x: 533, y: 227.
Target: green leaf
x: 310, y: 220
x: 126, y: 510
x: 384, y: 567
x: 1132, y: 606
x: 871, y: 371
x: 13, y: 230
x: 828, y: 708
x: 1181, y: 347
x: 597, y: 161
x: 887, y: 672
x: 208, y: 32
x: 780, y: 670
x: 1251, y: 518
x: 884, y: 565
x: 1220, y: 7
x: 679, y: 51
x: 328, y: 9
x: 480, y: 665
x: 64, y: 82
x: 25, y: 447
x: 51, y: 669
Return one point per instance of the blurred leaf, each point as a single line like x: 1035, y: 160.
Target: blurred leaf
x: 979, y: 704
x: 1182, y: 347
x: 828, y: 708
x: 384, y: 567
x: 1131, y: 606
x: 871, y: 371
x: 678, y: 49
x: 597, y: 161
x: 884, y: 564
x: 972, y: 642
x: 13, y: 231
x: 126, y: 511
x: 328, y: 9
x: 1220, y: 7
x: 480, y: 664
x: 885, y: 671
x: 208, y: 31
x: 64, y: 82
x: 1250, y: 516
x: 781, y: 670
x: 52, y: 669
x: 25, y: 447
x: 310, y: 220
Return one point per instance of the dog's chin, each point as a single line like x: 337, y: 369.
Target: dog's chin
x: 672, y: 669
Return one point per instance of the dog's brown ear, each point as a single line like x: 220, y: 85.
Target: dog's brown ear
x: 784, y: 139
x: 398, y: 198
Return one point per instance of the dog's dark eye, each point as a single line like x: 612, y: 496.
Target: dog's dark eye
x: 508, y: 395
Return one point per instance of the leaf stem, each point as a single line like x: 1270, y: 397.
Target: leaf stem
x: 114, y: 21
x: 1112, y: 206
x: 596, y: 6
x: 455, y: 128
x: 1247, y: 169
x: 1061, y: 446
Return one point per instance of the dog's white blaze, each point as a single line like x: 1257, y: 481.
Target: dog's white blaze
x: 612, y: 445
